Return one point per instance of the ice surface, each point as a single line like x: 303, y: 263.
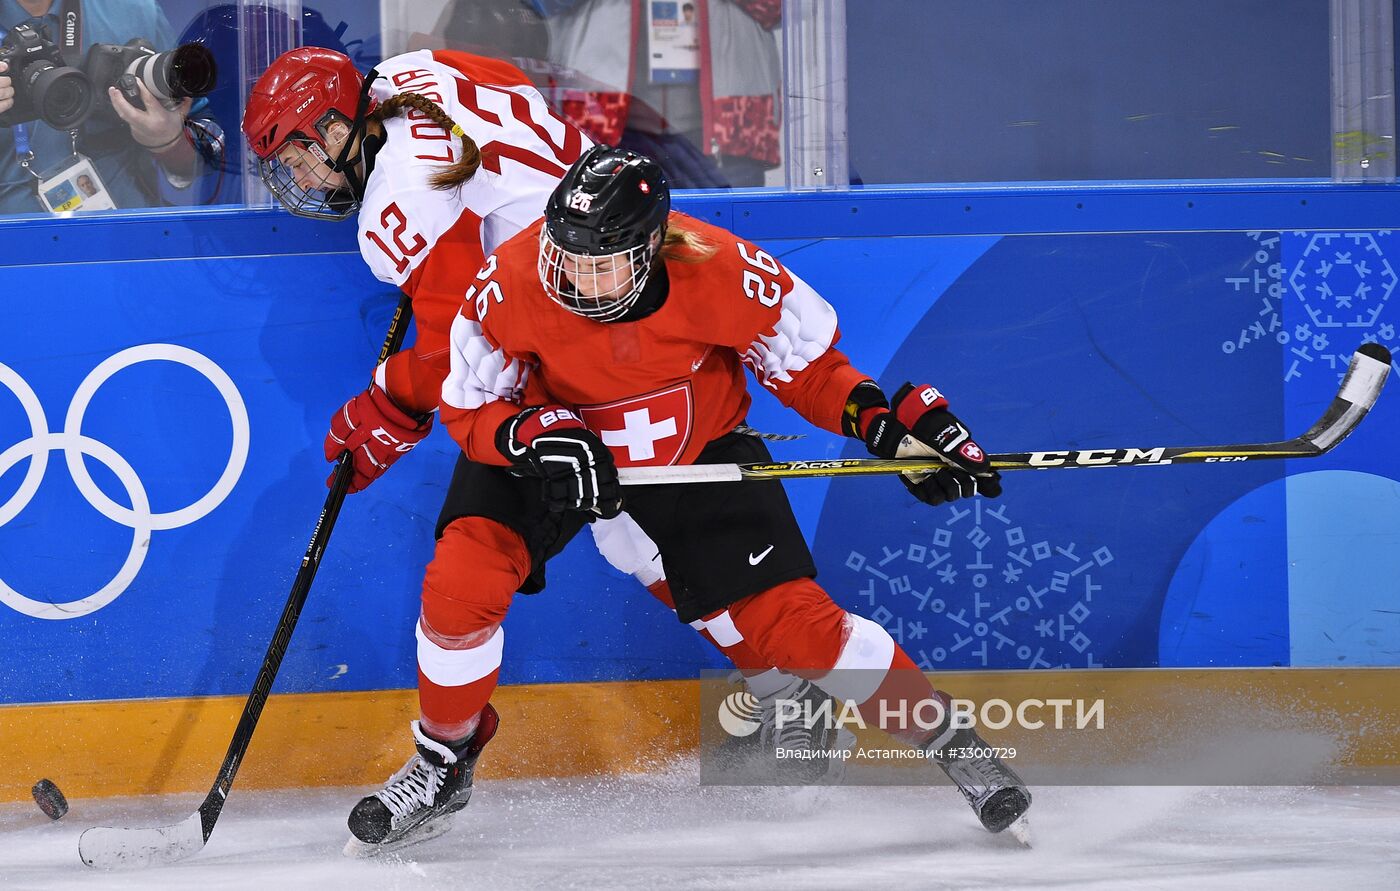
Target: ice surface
x: 664, y: 830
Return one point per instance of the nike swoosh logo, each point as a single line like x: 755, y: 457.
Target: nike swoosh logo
x: 754, y: 560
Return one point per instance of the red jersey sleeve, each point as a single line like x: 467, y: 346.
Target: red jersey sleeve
x: 786, y: 334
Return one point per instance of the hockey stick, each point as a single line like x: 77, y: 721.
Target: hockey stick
x: 1360, y: 387
x: 108, y: 848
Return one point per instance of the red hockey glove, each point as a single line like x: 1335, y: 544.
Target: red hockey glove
x: 576, y: 468
x: 376, y: 432
x: 919, y: 425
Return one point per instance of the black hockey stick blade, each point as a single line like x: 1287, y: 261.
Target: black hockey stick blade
x: 1361, y: 386
x: 107, y: 847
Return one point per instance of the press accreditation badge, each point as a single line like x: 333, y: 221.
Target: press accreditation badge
x: 74, y: 185
x: 673, y: 29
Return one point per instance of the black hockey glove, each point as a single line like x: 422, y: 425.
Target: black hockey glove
x: 919, y: 425
x: 577, y: 470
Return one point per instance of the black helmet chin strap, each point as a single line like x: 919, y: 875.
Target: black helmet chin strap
x: 369, y: 145
x: 654, y: 293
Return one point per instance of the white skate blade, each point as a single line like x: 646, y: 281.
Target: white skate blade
x: 427, y: 832
x: 1021, y: 831
x: 112, y: 848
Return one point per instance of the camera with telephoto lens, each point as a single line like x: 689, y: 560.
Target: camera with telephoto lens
x: 186, y: 71
x: 45, y: 86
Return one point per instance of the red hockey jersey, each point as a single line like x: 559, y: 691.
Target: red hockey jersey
x: 656, y: 391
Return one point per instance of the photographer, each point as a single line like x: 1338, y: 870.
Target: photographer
x: 135, y: 156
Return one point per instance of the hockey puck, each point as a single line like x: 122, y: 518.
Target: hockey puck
x: 49, y: 799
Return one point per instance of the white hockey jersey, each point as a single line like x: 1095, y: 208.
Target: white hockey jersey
x: 430, y: 242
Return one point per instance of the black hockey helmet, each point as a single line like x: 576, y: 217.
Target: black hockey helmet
x: 603, y: 227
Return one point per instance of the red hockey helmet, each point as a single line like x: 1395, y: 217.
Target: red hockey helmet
x: 300, y: 119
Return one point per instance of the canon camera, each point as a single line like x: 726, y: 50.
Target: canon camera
x: 45, y: 86
x: 186, y: 71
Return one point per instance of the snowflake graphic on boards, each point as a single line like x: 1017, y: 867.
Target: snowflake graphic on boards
x: 1341, y: 281
x: 977, y: 593
x: 1344, y: 281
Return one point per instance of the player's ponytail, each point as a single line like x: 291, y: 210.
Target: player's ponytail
x: 465, y: 167
x: 686, y: 246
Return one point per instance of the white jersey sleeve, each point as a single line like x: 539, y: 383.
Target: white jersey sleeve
x: 525, y: 150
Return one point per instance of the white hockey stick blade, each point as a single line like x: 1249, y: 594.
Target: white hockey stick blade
x: 112, y: 848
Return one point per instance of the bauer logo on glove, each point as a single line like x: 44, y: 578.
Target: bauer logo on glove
x: 930, y: 395
x: 917, y: 424
x: 575, y: 468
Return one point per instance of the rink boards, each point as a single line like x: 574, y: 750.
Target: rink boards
x: 194, y: 389
x: 1210, y: 727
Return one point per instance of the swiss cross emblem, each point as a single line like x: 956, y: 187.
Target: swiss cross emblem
x: 644, y: 431
x: 971, y: 451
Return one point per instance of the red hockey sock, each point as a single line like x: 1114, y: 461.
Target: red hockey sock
x: 800, y: 629
x: 903, y: 704
x: 476, y: 568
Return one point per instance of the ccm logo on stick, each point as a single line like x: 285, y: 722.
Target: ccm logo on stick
x: 1094, y: 457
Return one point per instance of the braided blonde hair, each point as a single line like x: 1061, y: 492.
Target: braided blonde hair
x: 465, y: 167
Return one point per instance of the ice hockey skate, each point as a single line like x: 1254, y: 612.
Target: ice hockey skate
x: 418, y: 801
x: 997, y: 795
x: 754, y: 755
x: 810, y: 733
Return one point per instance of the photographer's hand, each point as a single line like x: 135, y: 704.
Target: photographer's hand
x: 7, y: 89
x: 155, y: 127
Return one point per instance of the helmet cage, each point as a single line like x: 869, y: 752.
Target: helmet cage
x: 316, y: 200
x: 615, y: 289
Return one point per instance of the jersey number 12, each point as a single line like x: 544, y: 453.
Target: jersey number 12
x: 393, y: 220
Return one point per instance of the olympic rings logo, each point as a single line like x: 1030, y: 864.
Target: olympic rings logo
x: 139, y: 517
